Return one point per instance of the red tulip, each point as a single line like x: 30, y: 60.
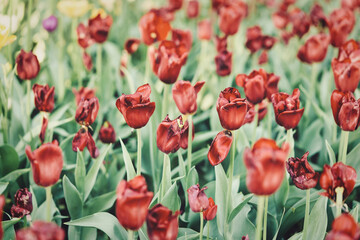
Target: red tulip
x: 341, y: 23
x: 287, y: 109
x: 280, y: 19
x: 99, y: 27
x: 210, y: 213
x: 87, y: 61
x: 133, y: 200
x: 131, y: 45
x: 317, y: 16
x: 42, y: 231
x: 205, y: 30
x: 2, y: 205
x: 216, y: 4
x: 261, y: 112
x: 220, y: 147
x: 83, y: 36
x: 84, y: 139
x: 44, y: 97
x: 192, y: 10
x: 231, y: 108
x: 174, y: 5
x: 263, y: 58
x: 346, y: 110
x: 223, y: 63
x: 136, y: 108
x: 185, y: 95
x: 245, y: 237
x: 87, y: 111
x: 46, y: 163
x: 301, y: 172
x: 344, y: 227
x: 350, y: 4
x: 221, y: 43
x: 84, y: 92
x: 182, y: 39
x: 258, y: 85
x: 230, y: 16
x: 153, y: 27
x: 254, y: 39
x: 346, y: 67
x: 43, y: 129
x: 265, y: 164
x: 107, y: 133
x: 23, y: 203
x: 162, y: 224
x: 300, y: 22
x: 315, y: 48
x: 198, y: 200
x: 27, y: 65
x: 339, y: 175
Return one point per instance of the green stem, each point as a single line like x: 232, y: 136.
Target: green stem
x: 162, y: 187
x: 130, y: 235
x: 138, y: 132
x: 28, y: 111
x: 201, y: 225
x: 98, y: 65
x: 189, y: 150
x: 290, y: 141
x: 256, y: 119
x: 48, y: 203
x: 259, y: 216
x: 307, y: 212
x: 129, y: 79
x: 29, y: 36
x: 343, y: 146
x: 312, y: 86
x: 61, y: 45
x: 165, y: 101
x: 25, y: 221
x: 201, y: 60
x: 339, y: 200
x: 265, y: 216
x: 10, y: 13
x: 208, y: 231
x: 147, y: 68
x: 152, y: 155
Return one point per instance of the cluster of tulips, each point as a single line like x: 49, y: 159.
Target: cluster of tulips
x: 268, y: 164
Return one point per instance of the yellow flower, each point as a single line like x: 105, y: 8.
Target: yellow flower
x: 5, y: 39
x: 96, y: 12
x: 73, y: 9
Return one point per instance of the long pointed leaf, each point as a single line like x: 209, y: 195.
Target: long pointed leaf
x: 130, y: 171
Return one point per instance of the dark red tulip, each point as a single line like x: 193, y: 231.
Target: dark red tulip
x: 223, y: 63
x: 84, y: 139
x: 261, y: 112
x: 210, y: 213
x: 265, y: 164
x: 230, y: 16
x: 27, y: 65
x: 341, y: 23
x: 300, y: 21
x: 258, y: 85
x: 46, y: 163
x: 350, y: 4
x: 315, y: 48
x: 280, y: 19
x: 133, y: 200
x: 216, y: 4
x: 263, y: 58
x: 344, y: 227
x: 84, y: 92
x: 99, y: 27
x: 346, y: 110
x: 185, y: 95
x: 83, y: 36
x: 346, y: 67
x: 87, y: 111
x: 220, y: 147
x: 131, y: 45
x: 245, y: 237
x: 136, y: 108
x: 182, y: 39
x: 43, y: 129
x: 172, y: 134
x: 253, y: 39
x: 221, y: 43
x: 287, y: 109
x: 174, y: 5
x: 198, y: 200
x: 231, y: 108
x: 339, y: 175
x: 107, y: 133
x: 317, y: 16
x: 153, y: 27
x: 40, y: 230
x: 192, y: 10
x: 2, y: 205
x: 162, y: 224
x: 43, y: 97
x: 301, y: 172
x: 22, y: 203
x: 87, y: 61
x: 205, y: 30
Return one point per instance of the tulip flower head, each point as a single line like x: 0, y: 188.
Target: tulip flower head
x: 5, y: 39
x: 41, y: 230
x: 2, y: 204
x: 220, y: 43
x: 344, y: 227
x: 230, y: 16
x: 46, y: 163
x: 174, y: 5
x: 300, y: 22
x: 346, y: 110
x: 84, y: 92
x: 339, y: 175
x: 84, y: 139
x: 280, y: 19
x: 107, y: 133
x: 223, y: 63
x: 265, y: 164
x: 317, y: 16
x: 185, y: 95
x: 315, y: 49
x: 162, y: 223
x: 50, y: 23
x: 287, y: 109
x: 220, y: 147
x: 210, y: 213
x: 198, y: 200
x: 261, y: 112
x: 99, y: 27
x: 182, y: 39
x: 44, y: 97
x: 205, y: 30
x: 23, y: 203
x: 27, y: 65
x: 131, y: 45
x: 73, y: 9
x: 136, y: 108
x: 301, y: 172
x: 87, y: 111
x: 83, y: 36
x: 153, y: 27
x: 255, y: 40
x: 133, y: 200
x: 192, y: 10
x: 341, y: 23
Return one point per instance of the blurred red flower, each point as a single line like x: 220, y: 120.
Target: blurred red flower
x: 230, y: 15
x: 314, y: 49
x: 83, y: 36
x: 220, y: 147
x: 182, y: 39
x: 107, y: 133
x: 153, y: 27
x: 43, y: 129
x: 344, y: 227
x: 43, y: 97
x: 265, y: 164
x: 223, y: 63
x: 133, y: 200
x: 192, y: 10
x: 84, y: 139
x: 87, y: 61
x: 87, y: 111
x: 300, y: 21
x: 318, y: 17
x: 41, y: 230
x: 131, y: 45
x: 46, y: 163
x: 205, y: 29
x: 84, y: 92
x: 346, y: 110
x: 263, y: 58
x: 255, y: 40
x: 99, y: 27
x: 250, y: 114
x: 198, y: 200
x: 280, y: 19
x: 210, y: 213
x: 341, y: 23
x: 174, y: 5
x: 221, y: 43
x: 350, y: 4
x: 22, y: 203
x: 27, y: 65
x: 185, y: 95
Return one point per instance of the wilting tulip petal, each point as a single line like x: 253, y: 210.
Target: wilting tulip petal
x: 198, y: 200
x: 84, y: 139
x: 220, y: 147
x: 87, y: 61
x: 210, y: 213
x: 87, y: 111
x: 83, y: 36
x: 43, y: 97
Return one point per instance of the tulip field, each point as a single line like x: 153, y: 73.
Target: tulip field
x: 179, y: 119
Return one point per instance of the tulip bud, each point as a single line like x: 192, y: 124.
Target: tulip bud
x: 344, y: 227
x: 50, y: 23
x: 107, y: 133
x: 23, y: 203
x: 198, y: 200
x: 41, y: 230
x: 223, y: 63
x: 185, y: 95
x: 210, y: 213
x: 46, y: 163
x: 192, y: 10
x: 132, y: 202
x: 27, y: 65
x: 162, y: 224
x: 44, y: 97
x: 87, y: 111
x: 220, y: 147
x: 153, y: 27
